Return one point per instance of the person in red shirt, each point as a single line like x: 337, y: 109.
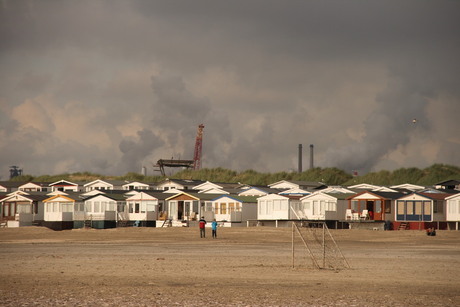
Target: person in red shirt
x: 202, y: 224
x: 371, y: 215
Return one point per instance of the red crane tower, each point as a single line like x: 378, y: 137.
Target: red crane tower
x: 198, y: 147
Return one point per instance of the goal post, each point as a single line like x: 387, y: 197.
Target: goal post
x: 319, y: 245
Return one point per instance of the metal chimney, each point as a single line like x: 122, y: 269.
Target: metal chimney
x: 311, y: 156
x: 300, y: 158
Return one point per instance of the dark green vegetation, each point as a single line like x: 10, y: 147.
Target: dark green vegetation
x: 330, y: 176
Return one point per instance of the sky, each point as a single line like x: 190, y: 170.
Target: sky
x: 109, y: 86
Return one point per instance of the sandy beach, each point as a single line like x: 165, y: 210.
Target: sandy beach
x: 242, y: 267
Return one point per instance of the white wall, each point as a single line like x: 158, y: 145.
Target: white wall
x: 273, y: 209
x: 453, y: 209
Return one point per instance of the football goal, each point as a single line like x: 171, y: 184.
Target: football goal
x: 319, y: 245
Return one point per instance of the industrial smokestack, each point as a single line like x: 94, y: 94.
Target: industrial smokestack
x: 311, y: 156
x: 300, y: 158
x: 144, y: 171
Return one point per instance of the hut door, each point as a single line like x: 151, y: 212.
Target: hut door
x: 180, y: 210
x: 5, y: 210
x: 378, y: 216
x: 9, y: 210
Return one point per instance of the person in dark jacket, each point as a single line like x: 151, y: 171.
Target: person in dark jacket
x: 202, y: 224
x: 431, y: 232
x: 214, y: 228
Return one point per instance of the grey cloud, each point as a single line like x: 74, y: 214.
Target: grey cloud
x: 134, y: 151
x: 135, y: 78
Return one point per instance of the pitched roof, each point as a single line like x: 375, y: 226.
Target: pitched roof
x: 197, y: 196
x: 448, y: 182
x: 59, y: 196
x: 243, y: 199
x: 184, y: 182
x: 301, y: 184
x: 11, y: 184
x: 63, y: 182
x: 385, y: 195
x: 117, y: 183
x: 40, y: 184
x: 436, y: 196
x: 116, y: 197
x: 32, y: 197
x: 340, y: 196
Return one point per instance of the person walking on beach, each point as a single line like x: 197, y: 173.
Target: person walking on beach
x: 202, y: 227
x: 214, y: 228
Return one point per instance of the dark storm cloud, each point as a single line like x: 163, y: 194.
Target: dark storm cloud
x: 127, y: 83
x: 136, y: 150
x: 184, y: 111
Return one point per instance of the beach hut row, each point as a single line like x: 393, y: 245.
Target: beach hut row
x: 172, y: 203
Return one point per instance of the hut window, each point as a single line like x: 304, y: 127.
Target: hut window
x: 315, y: 207
x: 331, y: 206
x: 400, y: 207
x: 24, y: 208
x: 136, y: 208
x: 160, y: 206
x: 437, y: 206
x: 387, y: 206
x: 378, y: 206
x: 97, y: 206
x: 120, y: 206
x: 454, y: 206
x: 238, y: 207
x: 67, y: 207
x: 263, y: 204
x: 410, y: 207
x: 131, y: 210
x: 150, y: 206
x: 354, y: 205
x: 450, y: 206
x: 223, y: 208
x: 173, y: 209
x: 195, y: 206
x: 426, y: 208
x: 6, y: 208
x: 278, y: 205
x: 418, y: 208
x: 270, y: 206
x: 231, y: 207
x: 88, y: 206
x: 111, y: 206
x: 284, y: 204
